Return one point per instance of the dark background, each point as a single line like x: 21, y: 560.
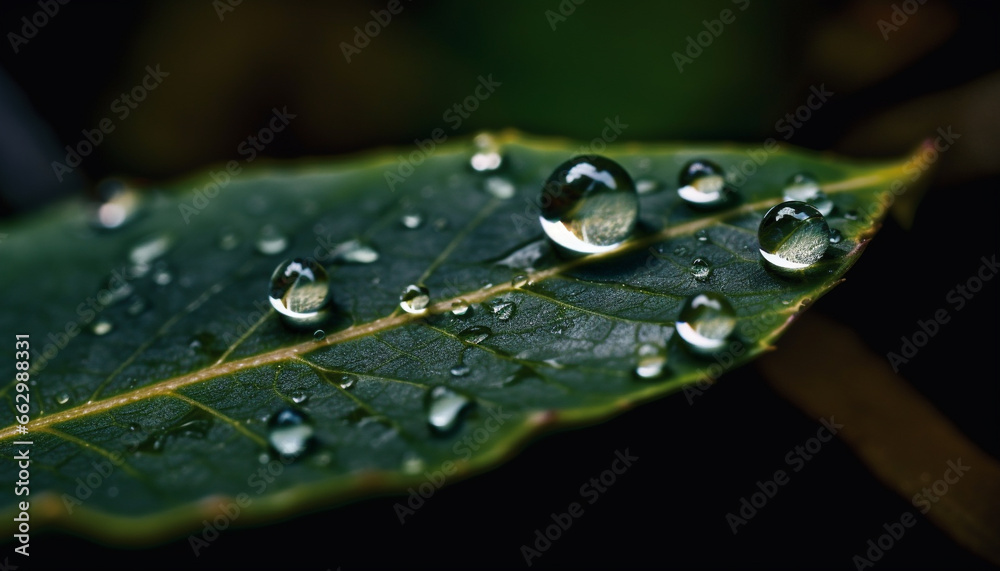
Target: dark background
x: 606, y: 59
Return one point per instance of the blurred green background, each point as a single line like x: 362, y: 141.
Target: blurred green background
x: 564, y: 69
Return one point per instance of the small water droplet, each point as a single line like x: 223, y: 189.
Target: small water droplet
x: 793, y: 236
x: 347, y: 381
x: 444, y: 409
x: 412, y: 220
x: 459, y: 308
x: 701, y: 235
x: 413, y: 465
x: 589, y: 205
x: 487, y: 157
x: 119, y: 204
x: 651, y: 361
x: 519, y: 281
x: 162, y: 276
x: 524, y: 258
x: 354, y: 252
x: 706, y: 321
x: 134, y: 427
x: 851, y: 215
x: 228, y: 239
x: 319, y: 335
x: 835, y: 236
x: 263, y: 458
x: 62, y: 398
x: 148, y: 250
x: 270, y: 240
x: 475, y: 334
x: 646, y: 185
x: 680, y: 250
x: 460, y: 370
x: 803, y: 187
x: 101, y: 327
x: 503, y: 310
x: 300, y: 290
x: 702, y: 185
x: 701, y: 269
x: 415, y: 299
x: 500, y: 187
x: 299, y: 396
x: 290, y: 433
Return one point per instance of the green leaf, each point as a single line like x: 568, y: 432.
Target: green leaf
x: 147, y: 429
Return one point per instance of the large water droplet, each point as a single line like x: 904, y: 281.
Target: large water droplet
x: 475, y: 334
x: 290, y: 433
x: 705, y: 322
x: 487, y: 157
x: 700, y: 269
x: 119, y: 204
x: 793, y: 236
x: 589, y: 204
x: 702, y: 184
x: 503, y: 310
x: 444, y: 409
x: 415, y: 299
x: 803, y: 187
x: 270, y: 240
x: 651, y: 361
x: 300, y: 290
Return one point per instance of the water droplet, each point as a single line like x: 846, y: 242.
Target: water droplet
x: 524, y: 258
x: 347, y: 381
x: 319, y: 335
x: 705, y: 322
x: 415, y: 299
x: 444, y: 409
x: 460, y: 370
x: 228, y: 239
x: 589, y: 205
x: 793, y: 236
x: 700, y: 269
x: 475, y: 334
x: 519, y: 280
x: 62, y: 398
x: 290, y: 432
x: 355, y: 252
x: 298, y: 396
x: 101, y: 327
x: 500, y: 187
x: 148, y: 250
x: 162, y: 276
x: 134, y: 427
x: 702, y: 185
x: 487, y: 157
x: 503, y: 310
x: 270, y: 240
x: 263, y: 458
x: 851, y: 215
x: 412, y: 220
x: 701, y: 235
x: 651, y: 361
x: 413, y: 465
x: 119, y: 204
x: 300, y: 290
x: 459, y: 308
x: 803, y: 187
x: 680, y: 250
x: 835, y: 236
x: 646, y: 185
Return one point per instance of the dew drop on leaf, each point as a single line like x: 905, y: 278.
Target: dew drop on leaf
x: 300, y: 290
x: 803, y: 187
x: 519, y: 280
x: 444, y: 409
x: 319, y: 335
x: 119, y: 204
x: 460, y: 370
x: 415, y: 299
x: 459, y: 308
x: 228, y: 239
x: 706, y: 321
x: 355, y: 252
x: 793, y: 236
x: 62, y: 398
x: 299, y: 396
x: 487, y: 157
x: 835, y: 236
x: 347, y: 381
x: 589, y: 205
x: 412, y: 220
x: 646, y: 185
x: 101, y: 327
x: 270, y: 240
x: 503, y: 310
x: 701, y: 235
x: 500, y: 187
x: 289, y: 432
x: 700, y: 269
x: 475, y: 334
x: 651, y: 361
x: 702, y: 185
